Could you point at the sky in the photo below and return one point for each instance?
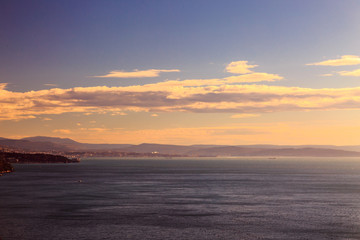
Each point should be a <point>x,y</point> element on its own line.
<point>229,72</point>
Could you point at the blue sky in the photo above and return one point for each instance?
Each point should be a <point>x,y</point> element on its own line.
<point>64,44</point>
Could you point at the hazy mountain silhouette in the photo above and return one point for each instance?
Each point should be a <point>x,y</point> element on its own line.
<point>64,141</point>
<point>73,145</point>
<point>41,143</point>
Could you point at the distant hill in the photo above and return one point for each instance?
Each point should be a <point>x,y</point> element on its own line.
<point>72,145</point>
<point>225,151</point>
<point>300,152</point>
<point>268,146</point>
<point>64,141</point>
<point>32,146</point>
<point>48,144</point>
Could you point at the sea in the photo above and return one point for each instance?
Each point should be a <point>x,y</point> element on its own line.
<point>183,198</point>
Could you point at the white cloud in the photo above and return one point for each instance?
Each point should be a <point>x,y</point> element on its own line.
<point>239,67</point>
<point>136,73</point>
<point>344,60</point>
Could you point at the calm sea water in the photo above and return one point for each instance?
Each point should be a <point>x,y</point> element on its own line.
<point>183,199</point>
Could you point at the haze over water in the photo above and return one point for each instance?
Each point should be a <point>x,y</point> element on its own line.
<point>183,199</point>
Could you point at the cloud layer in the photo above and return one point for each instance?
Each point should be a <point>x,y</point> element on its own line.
<point>231,94</point>
<point>136,73</point>
<point>185,96</point>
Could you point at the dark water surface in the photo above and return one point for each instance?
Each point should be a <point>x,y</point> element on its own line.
<point>183,199</point>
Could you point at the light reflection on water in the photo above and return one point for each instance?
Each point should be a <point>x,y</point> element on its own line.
<point>183,199</point>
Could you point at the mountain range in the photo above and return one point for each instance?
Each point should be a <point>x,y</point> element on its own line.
<point>53,144</point>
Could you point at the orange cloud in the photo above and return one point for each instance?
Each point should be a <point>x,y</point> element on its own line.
<point>355,73</point>
<point>244,115</point>
<point>3,86</point>
<point>62,131</point>
<point>240,67</point>
<point>345,60</point>
<point>253,77</point>
<point>173,97</point>
<point>136,73</point>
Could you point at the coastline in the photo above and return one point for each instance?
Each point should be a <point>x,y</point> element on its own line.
<point>7,158</point>
<point>5,167</point>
